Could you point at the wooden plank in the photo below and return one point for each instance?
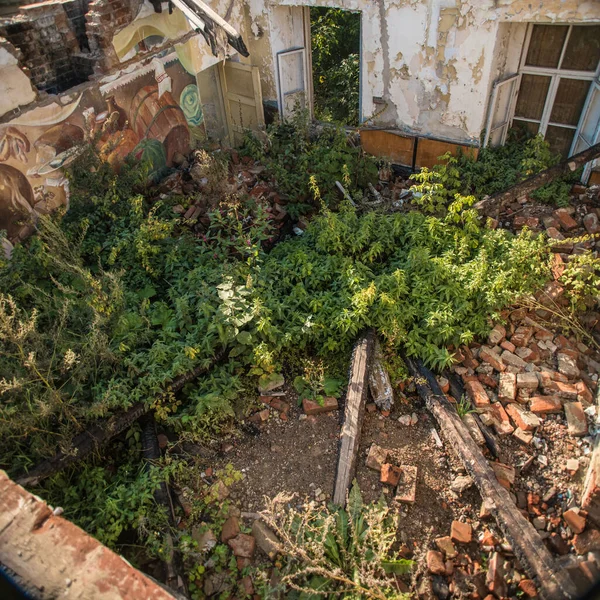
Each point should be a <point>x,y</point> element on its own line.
<point>388,144</point>
<point>429,151</point>
<point>526,542</point>
<point>353,416</point>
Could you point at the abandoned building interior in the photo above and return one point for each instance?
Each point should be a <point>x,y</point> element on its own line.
<point>421,79</point>
<point>433,76</point>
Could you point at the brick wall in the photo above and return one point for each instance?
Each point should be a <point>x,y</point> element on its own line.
<point>48,42</point>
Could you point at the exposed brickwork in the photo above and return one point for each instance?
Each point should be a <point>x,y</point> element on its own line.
<point>49,45</point>
<point>57,558</point>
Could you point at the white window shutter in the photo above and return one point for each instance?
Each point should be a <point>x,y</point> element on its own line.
<point>501,109</point>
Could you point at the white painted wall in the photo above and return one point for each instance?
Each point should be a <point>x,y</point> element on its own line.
<point>433,61</point>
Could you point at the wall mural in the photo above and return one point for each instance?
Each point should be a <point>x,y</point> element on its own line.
<point>152,112</point>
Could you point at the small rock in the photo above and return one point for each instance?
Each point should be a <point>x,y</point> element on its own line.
<point>574,520</point>
<point>446,546</point>
<point>572,465</point>
<point>377,456</point>
<point>527,586</point>
<point>265,538</point>
<point>405,420</point>
<point>461,483</point>
<point>231,528</point>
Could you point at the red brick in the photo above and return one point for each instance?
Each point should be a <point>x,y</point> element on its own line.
<point>521,336</point>
<point>314,408</point>
<point>567,222</point>
<point>487,380</point>
<point>583,393</point>
<point>574,520</point>
<point>557,266</point>
<point>446,546</point>
<point>591,223</point>
<point>531,222</point>
<point>231,528</point>
<point>528,381</point>
<point>260,417</point>
<point>461,533</point>
<point>565,390</point>
<point>407,486</point>
<point>246,585</point>
<point>527,586</point>
<point>544,405</point>
<point>576,419</point>
<point>444,384</point>
<point>487,355</point>
<point>503,472</point>
<point>506,345</point>
<point>502,423</point>
<point>524,419</point>
<point>477,394</point>
<point>390,474</point>
<point>497,335</point>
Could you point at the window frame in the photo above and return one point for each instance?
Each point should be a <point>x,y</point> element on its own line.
<point>556,74</point>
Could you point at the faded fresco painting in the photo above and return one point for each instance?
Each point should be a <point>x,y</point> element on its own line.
<point>152,112</point>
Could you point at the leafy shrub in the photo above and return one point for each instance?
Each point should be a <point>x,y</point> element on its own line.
<point>335,551</point>
<point>496,169</point>
<point>294,156</point>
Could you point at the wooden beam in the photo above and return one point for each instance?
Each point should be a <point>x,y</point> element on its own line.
<point>553,582</point>
<point>520,190</point>
<point>353,416</point>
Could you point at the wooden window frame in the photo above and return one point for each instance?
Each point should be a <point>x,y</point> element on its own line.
<point>556,73</point>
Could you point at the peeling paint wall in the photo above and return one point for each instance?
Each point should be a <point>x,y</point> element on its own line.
<point>433,62</point>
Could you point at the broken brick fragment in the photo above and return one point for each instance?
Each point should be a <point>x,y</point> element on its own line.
<point>544,405</point>
<point>574,521</point>
<point>567,222</point>
<point>576,419</point>
<point>242,545</point>
<point>435,562</point>
<point>477,394</point>
<point>461,533</point>
<point>377,457</point>
<point>314,408</point>
<point>390,474</point>
<point>489,356</point>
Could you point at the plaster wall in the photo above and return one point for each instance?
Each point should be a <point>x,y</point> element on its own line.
<point>433,62</point>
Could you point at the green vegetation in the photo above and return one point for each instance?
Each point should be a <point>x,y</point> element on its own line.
<point>496,169</point>
<point>335,40</point>
<point>332,551</point>
<point>112,301</point>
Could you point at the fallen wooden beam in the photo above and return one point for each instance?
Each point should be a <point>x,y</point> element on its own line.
<point>458,391</point>
<point>353,416</point>
<point>554,583</point>
<point>590,499</point>
<point>520,190</point>
<point>96,436</point>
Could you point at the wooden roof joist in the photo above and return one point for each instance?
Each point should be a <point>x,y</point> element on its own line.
<point>204,19</point>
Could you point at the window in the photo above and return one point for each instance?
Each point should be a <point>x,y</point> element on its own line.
<point>558,70</point>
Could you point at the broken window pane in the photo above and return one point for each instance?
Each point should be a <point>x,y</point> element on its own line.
<point>532,96</point>
<point>525,129</point>
<point>560,139</point>
<point>583,49</point>
<point>546,45</point>
<point>569,101</point>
